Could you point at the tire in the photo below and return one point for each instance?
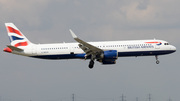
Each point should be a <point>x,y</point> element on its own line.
<point>157,62</point>
<point>91,64</point>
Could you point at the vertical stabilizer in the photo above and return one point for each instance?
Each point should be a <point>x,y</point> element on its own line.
<point>16,37</point>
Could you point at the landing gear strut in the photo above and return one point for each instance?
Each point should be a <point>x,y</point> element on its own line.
<point>91,64</point>
<point>157,61</point>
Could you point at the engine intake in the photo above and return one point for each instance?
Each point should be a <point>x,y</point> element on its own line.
<point>110,54</point>
<point>109,57</point>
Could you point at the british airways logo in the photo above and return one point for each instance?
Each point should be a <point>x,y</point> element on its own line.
<point>12,30</point>
<point>159,44</point>
<point>140,47</point>
<point>21,44</point>
<point>155,42</point>
<point>16,38</point>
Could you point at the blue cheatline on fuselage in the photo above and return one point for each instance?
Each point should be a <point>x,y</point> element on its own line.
<point>120,54</point>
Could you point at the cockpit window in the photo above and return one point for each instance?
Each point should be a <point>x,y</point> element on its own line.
<point>166,43</point>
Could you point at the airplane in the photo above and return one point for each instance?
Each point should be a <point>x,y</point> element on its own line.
<point>105,52</point>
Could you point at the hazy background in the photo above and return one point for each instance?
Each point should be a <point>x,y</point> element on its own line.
<point>49,21</point>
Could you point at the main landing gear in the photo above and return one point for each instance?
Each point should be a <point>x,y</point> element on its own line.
<point>157,61</point>
<point>91,64</point>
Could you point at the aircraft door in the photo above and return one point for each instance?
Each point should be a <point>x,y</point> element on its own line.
<point>34,50</point>
<point>71,48</point>
<point>157,46</point>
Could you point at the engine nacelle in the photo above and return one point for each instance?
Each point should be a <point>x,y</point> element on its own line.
<point>110,54</point>
<point>109,57</point>
<point>108,61</point>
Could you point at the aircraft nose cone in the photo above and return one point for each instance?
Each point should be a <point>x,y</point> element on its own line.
<point>173,48</point>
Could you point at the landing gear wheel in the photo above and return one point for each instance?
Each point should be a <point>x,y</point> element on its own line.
<point>91,64</point>
<point>157,62</point>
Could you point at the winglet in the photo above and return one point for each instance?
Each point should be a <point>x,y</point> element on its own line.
<point>72,33</point>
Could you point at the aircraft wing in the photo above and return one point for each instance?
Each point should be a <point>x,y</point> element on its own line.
<point>86,47</point>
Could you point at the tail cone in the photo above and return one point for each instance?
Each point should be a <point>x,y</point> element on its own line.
<point>7,50</point>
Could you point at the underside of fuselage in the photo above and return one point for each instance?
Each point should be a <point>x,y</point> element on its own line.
<point>120,54</point>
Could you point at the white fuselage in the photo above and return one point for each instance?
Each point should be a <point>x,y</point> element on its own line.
<point>124,48</point>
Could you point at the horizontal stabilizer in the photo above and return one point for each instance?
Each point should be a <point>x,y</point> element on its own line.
<point>14,48</point>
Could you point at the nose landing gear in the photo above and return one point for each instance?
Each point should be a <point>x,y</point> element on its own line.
<point>157,61</point>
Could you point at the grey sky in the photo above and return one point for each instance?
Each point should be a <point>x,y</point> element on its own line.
<point>49,21</point>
